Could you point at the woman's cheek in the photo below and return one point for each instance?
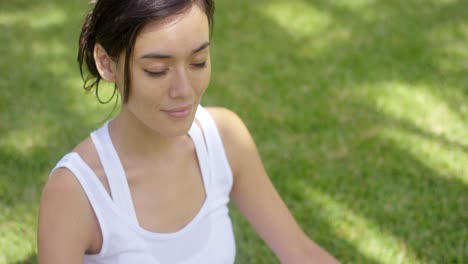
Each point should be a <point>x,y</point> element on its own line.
<point>149,86</point>
<point>204,80</point>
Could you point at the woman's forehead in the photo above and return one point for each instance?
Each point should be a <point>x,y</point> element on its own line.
<point>177,34</point>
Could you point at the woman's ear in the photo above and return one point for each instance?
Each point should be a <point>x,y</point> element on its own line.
<point>105,65</point>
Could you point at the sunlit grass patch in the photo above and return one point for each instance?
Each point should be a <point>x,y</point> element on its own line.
<point>37,17</point>
<point>17,232</point>
<point>370,239</point>
<point>419,106</point>
<point>297,17</point>
<point>446,158</point>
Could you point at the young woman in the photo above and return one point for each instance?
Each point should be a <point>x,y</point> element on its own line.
<point>152,185</point>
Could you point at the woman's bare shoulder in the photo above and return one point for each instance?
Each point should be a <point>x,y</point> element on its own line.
<point>227,121</point>
<point>65,217</point>
<point>62,188</point>
<point>229,124</point>
<point>234,134</point>
<point>63,193</point>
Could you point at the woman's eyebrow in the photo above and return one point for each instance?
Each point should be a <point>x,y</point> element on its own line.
<point>202,47</point>
<point>154,55</point>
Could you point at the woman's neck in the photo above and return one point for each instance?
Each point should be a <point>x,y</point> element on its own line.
<point>132,138</point>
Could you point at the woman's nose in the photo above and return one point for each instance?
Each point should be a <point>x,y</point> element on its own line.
<point>181,86</point>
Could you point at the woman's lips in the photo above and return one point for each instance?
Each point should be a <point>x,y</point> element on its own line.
<point>179,112</point>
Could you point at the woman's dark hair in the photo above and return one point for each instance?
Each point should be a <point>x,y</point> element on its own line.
<point>115,25</point>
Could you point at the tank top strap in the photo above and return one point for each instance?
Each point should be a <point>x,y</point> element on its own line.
<point>215,145</point>
<point>198,139</point>
<point>209,128</point>
<point>114,172</point>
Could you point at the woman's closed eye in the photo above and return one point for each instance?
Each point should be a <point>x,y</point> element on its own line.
<point>199,65</point>
<point>156,73</point>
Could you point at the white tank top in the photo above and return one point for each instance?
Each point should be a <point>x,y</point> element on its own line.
<point>207,238</point>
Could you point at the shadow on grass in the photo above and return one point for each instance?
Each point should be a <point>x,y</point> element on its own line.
<point>406,41</point>
<point>40,119</point>
<point>378,179</point>
<point>38,116</point>
<point>315,121</point>
<point>306,107</point>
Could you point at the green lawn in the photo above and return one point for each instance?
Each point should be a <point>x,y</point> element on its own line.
<point>359,109</point>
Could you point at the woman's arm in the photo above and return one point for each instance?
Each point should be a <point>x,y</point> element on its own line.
<point>65,220</point>
<point>257,199</point>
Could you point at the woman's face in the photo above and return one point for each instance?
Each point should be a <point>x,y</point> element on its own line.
<point>170,70</point>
